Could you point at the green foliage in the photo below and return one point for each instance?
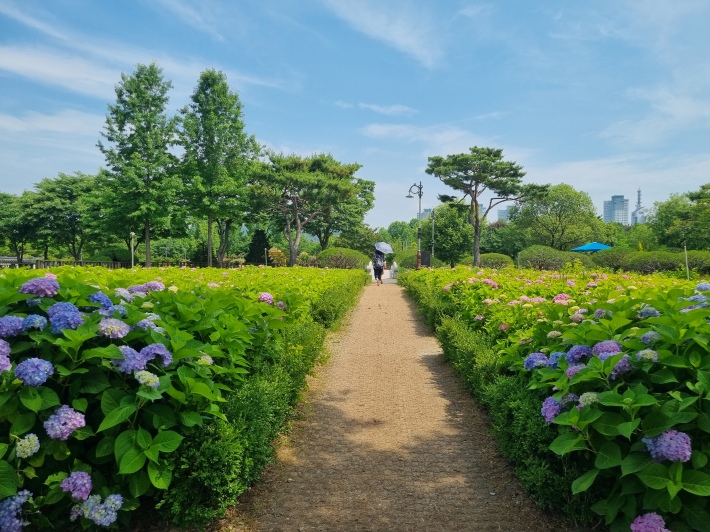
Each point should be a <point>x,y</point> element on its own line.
<point>612,258</point>
<point>337,299</point>
<point>259,243</point>
<point>112,253</point>
<point>342,258</point>
<point>652,261</point>
<point>453,235</point>
<point>699,261</point>
<point>497,261</point>
<point>547,258</point>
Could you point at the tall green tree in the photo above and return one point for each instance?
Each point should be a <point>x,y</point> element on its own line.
<point>142,179</point>
<point>59,211</point>
<point>17,229</point>
<point>503,237</point>
<point>479,171</point>
<point>562,219</point>
<point>217,158</point>
<point>403,236</point>
<point>298,190</point>
<point>453,236</point>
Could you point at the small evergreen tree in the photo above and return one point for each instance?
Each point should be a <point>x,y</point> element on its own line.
<point>259,242</point>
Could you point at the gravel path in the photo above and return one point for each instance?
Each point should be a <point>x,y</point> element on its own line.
<point>388,440</point>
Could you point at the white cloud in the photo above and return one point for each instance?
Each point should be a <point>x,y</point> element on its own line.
<point>200,15</point>
<point>343,105</point>
<point>66,121</point>
<point>435,140</point>
<point>396,109</point>
<point>398,25</point>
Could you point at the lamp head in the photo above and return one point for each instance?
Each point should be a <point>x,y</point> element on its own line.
<point>409,196</point>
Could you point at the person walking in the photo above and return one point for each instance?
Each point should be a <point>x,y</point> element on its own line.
<point>378,264</point>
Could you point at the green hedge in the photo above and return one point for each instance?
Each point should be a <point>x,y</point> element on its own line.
<point>547,258</point>
<point>345,258</point>
<point>497,261</point>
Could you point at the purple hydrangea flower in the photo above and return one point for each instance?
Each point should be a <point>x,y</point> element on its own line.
<point>647,355</point>
<point>282,306</point>
<point>601,313</point>
<point>147,378</point>
<point>577,317</point>
<point>266,297</point>
<point>10,326</point>
<point>553,361</point>
<point>149,352</point>
<point>65,320</point>
<point>703,287</point>
<point>551,408</point>
<point>34,321</point>
<point>27,446</point>
<point>154,286</point>
<point>578,352</point>
<point>5,364</point>
<point>63,422</point>
<point>41,286</point>
<point>137,288</point>
<point>60,308</point>
<point>650,337</point>
<point>131,361</point>
<point>535,360</point>
<point>110,311</point>
<point>113,328</point>
<point>144,324</point>
<point>650,522</point>
<point>102,299</point>
<point>101,513</point>
<point>572,370</point>
<point>9,510</point>
<point>34,371</point>
<point>570,398</point>
<point>607,347</point>
<point>648,312</point>
<point>4,348</point>
<point>622,366</point>
<point>124,294</point>
<point>671,445</point>
<point>78,484</point>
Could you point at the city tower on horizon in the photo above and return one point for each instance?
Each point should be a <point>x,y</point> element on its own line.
<point>617,210</point>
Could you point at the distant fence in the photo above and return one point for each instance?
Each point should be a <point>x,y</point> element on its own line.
<point>33,263</point>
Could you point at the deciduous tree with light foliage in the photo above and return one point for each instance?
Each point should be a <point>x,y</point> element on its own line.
<point>479,171</point>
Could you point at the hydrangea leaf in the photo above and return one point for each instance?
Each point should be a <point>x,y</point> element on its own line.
<point>696,482</point>
<point>9,481</point>
<point>609,456</point>
<point>131,462</point>
<point>584,482</point>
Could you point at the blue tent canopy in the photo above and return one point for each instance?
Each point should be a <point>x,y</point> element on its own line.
<point>592,247</point>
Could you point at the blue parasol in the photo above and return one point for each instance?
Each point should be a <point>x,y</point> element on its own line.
<point>383,247</point>
<point>592,247</point>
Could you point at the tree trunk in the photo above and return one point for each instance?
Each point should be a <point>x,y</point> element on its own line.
<point>147,245</point>
<point>209,240</point>
<point>224,229</point>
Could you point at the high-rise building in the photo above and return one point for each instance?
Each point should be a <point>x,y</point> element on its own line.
<point>638,216</point>
<point>503,214</point>
<point>617,210</point>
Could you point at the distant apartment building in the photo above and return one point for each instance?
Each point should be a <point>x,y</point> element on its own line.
<point>617,210</point>
<point>638,216</point>
<point>503,214</point>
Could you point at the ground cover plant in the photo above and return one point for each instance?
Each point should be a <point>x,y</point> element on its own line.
<point>617,371</point>
<point>112,381</point>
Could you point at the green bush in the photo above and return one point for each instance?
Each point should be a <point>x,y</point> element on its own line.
<point>336,300</point>
<point>496,260</point>
<point>699,261</point>
<point>345,258</point>
<point>653,261</point>
<point>612,258</point>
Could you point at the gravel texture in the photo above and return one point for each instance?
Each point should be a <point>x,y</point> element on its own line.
<point>388,439</point>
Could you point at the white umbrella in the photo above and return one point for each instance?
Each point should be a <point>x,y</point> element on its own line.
<point>383,247</point>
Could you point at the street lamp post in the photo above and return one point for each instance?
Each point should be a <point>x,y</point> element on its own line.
<point>133,241</point>
<point>417,189</point>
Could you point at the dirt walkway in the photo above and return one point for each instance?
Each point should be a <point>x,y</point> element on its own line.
<point>388,440</point>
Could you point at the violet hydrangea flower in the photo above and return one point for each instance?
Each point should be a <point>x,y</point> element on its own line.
<point>622,366</point>
<point>113,328</point>
<point>671,445</point>
<point>602,313</point>
<point>535,360</point>
<point>144,324</point>
<point>266,297</point>
<point>572,370</point>
<point>650,522</point>
<point>5,364</point>
<point>648,312</point>
<point>34,371</point>
<point>9,510</point>
<point>577,353</point>
<point>63,422</point>
<point>41,286</point>
<point>154,286</point>
<point>607,347</point>
<point>131,361</point>
<point>650,337</point>
<point>78,484</point>
<point>60,308</point>
<point>34,321</point>
<point>551,408</point>
<point>149,352</point>
<point>10,326</point>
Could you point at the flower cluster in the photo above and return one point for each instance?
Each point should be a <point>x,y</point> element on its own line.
<point>147,378</point>
<point>34,371</point>
<point>64,315</point>
<point>606,349</point>
<point>102,299</point>
<point>78,484</point>
<point>703,287</point>
<point>578,352</point>
<point>266,297</point>
<point>10,326</point>
<point>650,522</point>
<point>552,362</point>
<point>5,364</point>
<point>27,446</point>
<point>113,328</point>
<point>205,360</point>
<point>110,311</point>
<point>573,369</point>
<point>587,398</point>
<point>551,408</point>
<point>535,360</point>
<point>63,422</point>
<point>622,366</point>
<point>101,513</point>
<point>34,321</point>
<point>562,299</point>
<point>41,286</point>
<point>9,508</point>
<point>648,312</point>
<point>134,361</point>
<point>647,355</point>
<point>602,314</point>
<point>671,445</point>
<point>650,337</point>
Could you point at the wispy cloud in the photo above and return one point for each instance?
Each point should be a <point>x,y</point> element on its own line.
<point>396,109</point>
<point>435,140</point>
<point>65,121</point>
<point>202,16</point>
<point>343,105</point>
<point>399,25</point>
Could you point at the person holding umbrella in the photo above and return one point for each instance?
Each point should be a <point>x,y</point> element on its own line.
<point>378,259</point>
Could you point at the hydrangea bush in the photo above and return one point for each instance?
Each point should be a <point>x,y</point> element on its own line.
<point>626,363</point>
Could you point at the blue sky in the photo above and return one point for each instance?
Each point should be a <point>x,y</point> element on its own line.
<point>608,96</point>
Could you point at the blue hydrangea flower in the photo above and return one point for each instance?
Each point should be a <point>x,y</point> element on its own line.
<point>144,324</point>
<point>113,309</point>
<point>607,347</point>
<point>101,513</point>
<point>149,352</point>
<point>101,298</point>
<point>577,353</point>
<point>78,484</point>
<point>132,360</point>
<point>602,313</point>
<point>4,348</point>
<point>34,321</point>
<point>671,445</point>
<point>9,510</point>
<point>63,422</point>
<point>65,320</point>
<point>703,287</point>
<point>113,328</point>
<point>10,326</point>
<point>622,366</point>
<point>535,360</point>
<point>551,408</point>
<point>648,312</point>
<point>650,522</point>
<point>27,446</point>
<point>650,337</point>
<point>553,361</point>
<point>42,287</point>
<point>60,308</point>
<point>34,371</point>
